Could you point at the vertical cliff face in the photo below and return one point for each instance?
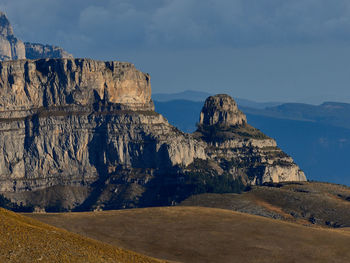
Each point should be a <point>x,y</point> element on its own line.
<point>5,26</point>
<point>51,111</point>
<point>221,110</point>
<point>240,148</point>
<point>12,48</point>
<point>78,134</point>
<point>68,82</point>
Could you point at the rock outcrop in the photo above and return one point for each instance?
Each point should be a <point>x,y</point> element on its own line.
<point>78,134</point>
<point>241,148</point>
<point>38,51</point>
<point>221,110</point>
<point>33,84</point>
<point>12,48</point>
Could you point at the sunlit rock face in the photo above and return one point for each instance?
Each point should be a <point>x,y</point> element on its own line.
<point>240,148</point>
<point>79,134</point>
<point>10,47</point>
<point>32,84</point>
<point>222,110</point>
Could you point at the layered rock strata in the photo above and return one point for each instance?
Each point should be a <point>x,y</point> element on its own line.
<point>33,84</point>
<point>241,148</point>
<point>10,46</point>
<point>78,134</point>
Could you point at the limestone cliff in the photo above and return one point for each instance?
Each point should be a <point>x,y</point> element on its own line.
<point>241,148</point>
<point>78,134</point>
<point>12,48</point>
<point>33,84</point>
<point>221,110</point>
<point>37,51</point>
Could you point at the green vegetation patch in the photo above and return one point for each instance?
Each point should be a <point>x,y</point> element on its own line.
<point>222,133</point>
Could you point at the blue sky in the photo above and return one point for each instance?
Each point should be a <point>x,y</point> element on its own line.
<point>264,50</point>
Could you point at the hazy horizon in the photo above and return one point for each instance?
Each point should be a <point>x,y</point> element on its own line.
<point>259,50</point>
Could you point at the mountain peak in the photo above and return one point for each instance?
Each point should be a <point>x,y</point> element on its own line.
<point>221,110</point>
<point>12,48</point>
<point>5,26</point>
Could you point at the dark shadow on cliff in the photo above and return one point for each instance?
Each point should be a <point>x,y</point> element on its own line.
<point>171,187</point>
<point>97,152</point>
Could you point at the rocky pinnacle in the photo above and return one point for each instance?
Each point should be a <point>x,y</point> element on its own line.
<point>221,110</point>
<point>12,48</point>
<point>80,134</point>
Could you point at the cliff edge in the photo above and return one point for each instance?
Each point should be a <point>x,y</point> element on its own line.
<point>79,134</point>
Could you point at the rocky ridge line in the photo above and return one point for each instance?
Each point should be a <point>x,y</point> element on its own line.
<point>12,48</point>
<point>78,134</point>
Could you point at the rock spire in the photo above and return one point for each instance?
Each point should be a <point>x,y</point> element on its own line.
<point>12,48</point>
<point>221,110</point>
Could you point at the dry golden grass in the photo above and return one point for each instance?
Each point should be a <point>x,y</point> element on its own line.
<point>307,203</point>
<point>23,239</point>
<point>198,234</point>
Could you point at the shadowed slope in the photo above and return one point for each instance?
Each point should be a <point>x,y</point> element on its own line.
<point>23,239</point>
<point>304,202</point>
<point>194,234</point>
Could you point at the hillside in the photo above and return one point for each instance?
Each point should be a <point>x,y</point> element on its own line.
<point>23,239</point>
<point>197,234</point>
<point>308,203</point>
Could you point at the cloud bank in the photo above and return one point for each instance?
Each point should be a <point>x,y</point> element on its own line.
<point>258,49</point>
<point>179,24</point>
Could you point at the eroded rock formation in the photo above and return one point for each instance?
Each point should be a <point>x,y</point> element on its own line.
<point>241,148</point>
<point>221,110</point>
<point>12,48</point>
<point>32,84</point>
<point>78,134</point>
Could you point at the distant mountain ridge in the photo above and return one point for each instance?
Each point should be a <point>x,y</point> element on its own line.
<point>38,51</point>
<point>331,113</point>
<point>12,48</point>
<point>319,143</point>
<point>193,95</point>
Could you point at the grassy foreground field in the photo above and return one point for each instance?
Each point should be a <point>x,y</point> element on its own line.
<point>198,234</point>
<point>23,239</point>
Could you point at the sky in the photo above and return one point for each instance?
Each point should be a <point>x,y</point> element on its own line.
<point>263,50</point>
